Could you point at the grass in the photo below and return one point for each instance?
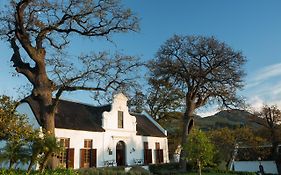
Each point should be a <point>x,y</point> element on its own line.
<point>112,171</point>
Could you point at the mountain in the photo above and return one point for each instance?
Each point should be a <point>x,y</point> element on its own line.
<point>227,118</point>
<point>230,119</point>
<point>172,122</point>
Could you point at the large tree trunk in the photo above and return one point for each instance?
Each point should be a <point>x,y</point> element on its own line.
<point>275,152</point>
<point>188,123</point>
<point>42,93</point>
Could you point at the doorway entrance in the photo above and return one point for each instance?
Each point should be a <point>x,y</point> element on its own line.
<point>120,153</point>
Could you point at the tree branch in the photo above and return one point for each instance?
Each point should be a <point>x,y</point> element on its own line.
<point>21,67</point>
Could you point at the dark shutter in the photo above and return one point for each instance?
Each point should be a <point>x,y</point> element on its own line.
<point>82,157</point>
<point>159,156</point>
<point>70,158</point>
<point>93,158</point>
<point>147,156</point>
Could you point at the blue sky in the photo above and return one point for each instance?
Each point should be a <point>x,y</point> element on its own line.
<point>250,26</point>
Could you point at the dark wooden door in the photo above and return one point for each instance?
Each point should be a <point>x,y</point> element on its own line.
<point>120,153</point>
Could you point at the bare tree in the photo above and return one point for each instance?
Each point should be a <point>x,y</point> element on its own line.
<point>39,31</point>
<point>157,99</point>
<point>162,97</point>
<point>205,70</point>
<point>272,117</point>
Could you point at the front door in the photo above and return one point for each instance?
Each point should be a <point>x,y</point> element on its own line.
<point>120,153</point>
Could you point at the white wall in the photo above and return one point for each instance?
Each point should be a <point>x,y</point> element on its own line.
<point>104,140</point>
<point>253,166</point>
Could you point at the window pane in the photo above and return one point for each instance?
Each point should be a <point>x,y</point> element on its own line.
<point>145,145</point>
<point>157,145</point>
<point>88,143</point>
<point>120,119</point>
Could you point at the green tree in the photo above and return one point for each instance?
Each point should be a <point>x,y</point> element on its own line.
<point>15,131</point>
<point>204,69</point>
<point>272,117</point>
<point>227,140</point>
<point>51,147</point>
<point>200,150</point>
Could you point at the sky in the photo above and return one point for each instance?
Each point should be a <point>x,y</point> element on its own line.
<point>250,26</point>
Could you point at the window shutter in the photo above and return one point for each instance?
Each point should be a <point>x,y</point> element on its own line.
<point>149,156</point>
<point>93,158</point>
<point>82,157</point>
<point>70,158</point>
<point>145,157</point>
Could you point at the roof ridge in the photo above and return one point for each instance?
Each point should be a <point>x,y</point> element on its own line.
<point>83,103</point>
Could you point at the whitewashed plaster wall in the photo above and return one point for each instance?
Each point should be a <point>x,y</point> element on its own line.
<point>253,166</point>
<point>102,141</point>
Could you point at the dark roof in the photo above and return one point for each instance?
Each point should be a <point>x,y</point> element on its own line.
<point>77,116</point>
<point>146,128</point>
<point>72,115</point>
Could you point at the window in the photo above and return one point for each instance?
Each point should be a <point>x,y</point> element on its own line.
<point>158,153</point>
<point>120,119</point>
<point>145,145</point>
<point>147,154</point>
<point>87,155</point>
<point>64,142</point>
<point>157,145</point>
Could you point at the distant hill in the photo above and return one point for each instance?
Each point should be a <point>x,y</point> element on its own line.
<point>228,118</point>
<point>172,122</point>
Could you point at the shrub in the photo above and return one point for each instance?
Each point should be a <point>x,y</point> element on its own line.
<point>167,168</point>
<point>137,170</point>
<point>208,170</point>
<point>102,171</point>
<point>47,172</point>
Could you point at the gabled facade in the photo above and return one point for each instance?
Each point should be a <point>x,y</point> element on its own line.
<point>104,136</point>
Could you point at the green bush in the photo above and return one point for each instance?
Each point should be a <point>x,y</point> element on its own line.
<point>218,171</point>
<point>47,172</point>
<point>137,170</point>
<point>102,171</point>
<point>167,168</point>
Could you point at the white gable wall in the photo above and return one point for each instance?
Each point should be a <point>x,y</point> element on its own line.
<point>110,119</point>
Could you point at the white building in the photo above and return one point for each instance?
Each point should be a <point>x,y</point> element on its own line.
<point>104,136</point>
